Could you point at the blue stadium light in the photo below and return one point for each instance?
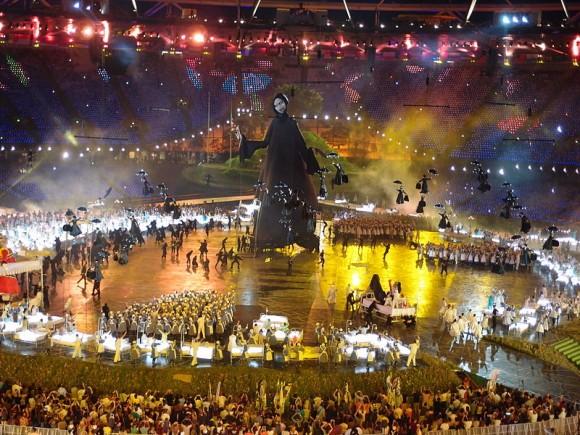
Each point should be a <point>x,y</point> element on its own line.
<point>505,19</point>
<point>515,19</point>
<point>525,19</point>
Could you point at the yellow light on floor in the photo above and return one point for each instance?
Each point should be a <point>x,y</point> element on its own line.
<point>355,279</point>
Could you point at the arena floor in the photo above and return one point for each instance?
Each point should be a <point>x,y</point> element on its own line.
<point>263,282</point>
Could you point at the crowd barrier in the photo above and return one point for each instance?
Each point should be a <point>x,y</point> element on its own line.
<point>8,429</point>
<point>560,426</point>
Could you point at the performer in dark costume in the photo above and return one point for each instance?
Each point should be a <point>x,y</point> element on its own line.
<point>288,162</point>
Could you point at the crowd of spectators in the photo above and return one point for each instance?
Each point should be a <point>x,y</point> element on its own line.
<point>271,410</point>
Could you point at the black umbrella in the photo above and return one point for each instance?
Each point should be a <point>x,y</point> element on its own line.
<point>82,209</point>
<point>516,237</point>
<point>398,182</point>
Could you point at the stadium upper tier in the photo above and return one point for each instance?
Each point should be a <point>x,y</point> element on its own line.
<point>479,109</point>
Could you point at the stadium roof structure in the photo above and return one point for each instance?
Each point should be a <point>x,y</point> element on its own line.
<point>148,8</point>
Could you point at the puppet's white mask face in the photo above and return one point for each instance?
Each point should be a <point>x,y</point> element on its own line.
<point>279,105</point>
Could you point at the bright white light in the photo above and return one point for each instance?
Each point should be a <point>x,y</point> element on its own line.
<point>559,129</point>
<point>530,167</point>
<point>505,19</point>
<point>501,172</point>
<point>525,19</point>
<point>464,169</point>
<point>77,5</point>
<point>453,168</point>
<point>198,38</point>
<point>553,169</point>
<point>106,32</point>
<point>88,31</point>
<point>517,166</point>
<point>515,19</point>
<point>65,155</point>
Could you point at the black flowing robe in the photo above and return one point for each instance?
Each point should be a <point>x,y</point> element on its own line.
<point>287,161</point>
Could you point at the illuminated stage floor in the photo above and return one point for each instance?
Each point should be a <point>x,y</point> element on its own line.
<point>263,282</point>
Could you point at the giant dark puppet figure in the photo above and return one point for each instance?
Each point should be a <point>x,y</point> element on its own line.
<point>288,198</point>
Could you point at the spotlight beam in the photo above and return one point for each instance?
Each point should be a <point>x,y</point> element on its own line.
<point>378,14</point>
<point>256,8</point>
<point>348,12</point>
<point>472,8</point>
<point>565,9</point>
